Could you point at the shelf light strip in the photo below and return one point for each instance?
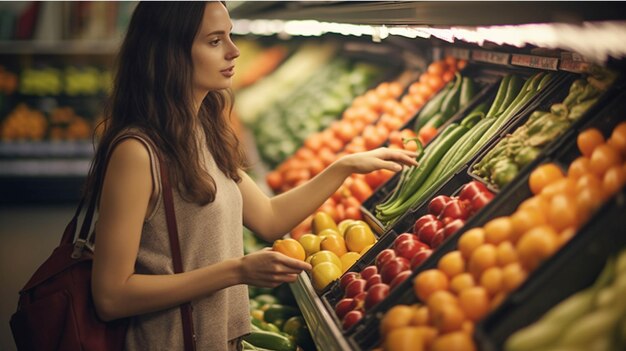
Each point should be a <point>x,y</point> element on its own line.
<point>594,40</point>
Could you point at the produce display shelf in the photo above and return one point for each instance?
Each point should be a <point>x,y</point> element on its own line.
<point>326,334</point>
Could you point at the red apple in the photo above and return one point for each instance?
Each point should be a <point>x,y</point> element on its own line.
<point>420,257</point>
<point>368,272</point>
<point>393,268</point>
<point>437,239</point>
<point>423,220</point>
<point>428,231</point>
<point>376,294</point>
<point>351,318</point>
<point>384,256</point>
<point>452,227</point>
<point>456,209</point>
<point>409,248</point>
<point>437,204</point>
<point>399,279</point>
<point>360,300</point>
<point>355,287</point>
<point>402,238</point>
<point>481,200</point>
<point>347,278</point>
<point>344,306</point>
<point>373,280</point>
<point>472,188</point>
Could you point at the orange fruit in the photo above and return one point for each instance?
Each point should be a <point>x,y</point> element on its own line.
<point>439,299</point>
<point>536,245</point>
<point>421,316</point>
<point>505,253</point>
<point>498,230</point>
<point>603,158</point>
<point>457,341</point>
<point>524,219</point>
<point>462,282</point>
<point>474,302</point>
<point>335,244</point>
<point>452,264</point>
<point>562,213</point>
<point>578,167</point>
<point>409,338</point>
<point>588,200</point>
<point>513,275</point>
<point>535,202</point>
<point>588,140</point>
<point>485,256</point>
<point>470,240</point>
<point>544,175</point>
<point>397,317</point>
<point>561,186</point>
<point>290,247</point>
<point>429,281</point>
<point>618,138</point>
<point>492,280</point>
<point>614,179</point>
<point>448,318</point>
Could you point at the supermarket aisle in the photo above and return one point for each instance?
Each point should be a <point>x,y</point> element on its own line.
<point>27,237</point>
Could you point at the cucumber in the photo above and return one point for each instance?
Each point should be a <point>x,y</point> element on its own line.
<point>269,340</point>
<point>277,312</point>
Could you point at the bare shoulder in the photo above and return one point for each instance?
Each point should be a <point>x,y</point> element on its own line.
<point>130,155</point>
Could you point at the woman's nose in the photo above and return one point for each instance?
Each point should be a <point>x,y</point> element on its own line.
<point>233,53</point>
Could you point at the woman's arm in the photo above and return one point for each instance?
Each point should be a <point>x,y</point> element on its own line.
<point>273,217</point>
<point>118,291</point>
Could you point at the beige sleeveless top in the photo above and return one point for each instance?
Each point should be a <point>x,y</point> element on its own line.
<point>208,235</point>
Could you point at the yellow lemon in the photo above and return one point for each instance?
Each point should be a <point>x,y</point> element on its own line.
<point>321,221</point>
<point>348,259</point>
<point>358,237</point>
<point>324,273</point>
<point>328,232</point>
<point>334,243</point>
<point>365,249</point>
<point>343,225</point>
<point>310,243</point>
<point>325,256</point>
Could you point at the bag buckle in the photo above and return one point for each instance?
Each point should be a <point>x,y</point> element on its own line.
<point>79,246</point>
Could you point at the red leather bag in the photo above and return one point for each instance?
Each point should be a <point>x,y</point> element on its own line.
<point>55,308</point>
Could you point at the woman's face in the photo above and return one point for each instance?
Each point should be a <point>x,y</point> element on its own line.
<point>213,52</point>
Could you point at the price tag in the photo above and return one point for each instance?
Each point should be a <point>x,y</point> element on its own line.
<point>461,54</point>
<point>491,57</point>
<point>573,62</point>
<point>533,61</point>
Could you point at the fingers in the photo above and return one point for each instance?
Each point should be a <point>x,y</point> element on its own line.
<point>402,156</point>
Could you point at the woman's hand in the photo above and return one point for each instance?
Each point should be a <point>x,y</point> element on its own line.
<point>381,158</point>
<point>267,268</point>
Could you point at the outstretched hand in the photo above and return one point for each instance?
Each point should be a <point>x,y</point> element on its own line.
<point>381,158</point>
<point>268,268</point>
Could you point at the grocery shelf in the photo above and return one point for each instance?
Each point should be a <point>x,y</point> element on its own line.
<point>64,47</point>
<point>325,332</point>
<point>457,13</point>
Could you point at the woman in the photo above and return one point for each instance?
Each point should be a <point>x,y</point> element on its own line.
<point>174,69</point>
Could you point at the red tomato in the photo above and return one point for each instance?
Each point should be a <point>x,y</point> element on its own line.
<point>419,223</point>
<point>480,200</point>
<point>456,209</point>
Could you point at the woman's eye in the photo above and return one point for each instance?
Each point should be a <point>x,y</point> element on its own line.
<point>215,42</point>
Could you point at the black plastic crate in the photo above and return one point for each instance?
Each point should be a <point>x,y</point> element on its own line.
<point>556,94</point>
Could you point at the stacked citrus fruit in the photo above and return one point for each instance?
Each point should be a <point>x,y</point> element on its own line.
<point>493,260</point>
<point>333,248</point>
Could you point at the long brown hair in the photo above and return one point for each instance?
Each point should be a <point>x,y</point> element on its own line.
<point>152,91</point>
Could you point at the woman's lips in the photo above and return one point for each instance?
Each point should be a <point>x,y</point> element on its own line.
<point>229,72</point>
